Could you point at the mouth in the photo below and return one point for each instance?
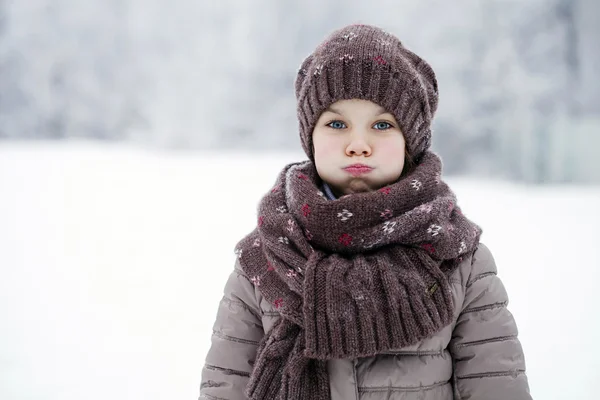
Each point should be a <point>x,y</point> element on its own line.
<point>358,169</point>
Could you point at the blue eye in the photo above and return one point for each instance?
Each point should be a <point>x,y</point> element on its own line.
<point>382,126</point>
<point>336,125</point>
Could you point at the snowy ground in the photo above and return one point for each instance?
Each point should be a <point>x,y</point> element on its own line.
<point>113,260</point>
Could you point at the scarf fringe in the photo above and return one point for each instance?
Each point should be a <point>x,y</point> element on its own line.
<point>284,372</point>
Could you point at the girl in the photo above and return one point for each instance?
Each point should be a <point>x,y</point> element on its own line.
<point>363,279</point>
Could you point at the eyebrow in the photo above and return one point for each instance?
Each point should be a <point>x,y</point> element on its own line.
<point>334,110</point>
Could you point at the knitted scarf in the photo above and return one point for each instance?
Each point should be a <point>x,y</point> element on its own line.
<point>352,277</point>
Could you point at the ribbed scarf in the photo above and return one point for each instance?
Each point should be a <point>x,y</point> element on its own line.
<point>352,277</point>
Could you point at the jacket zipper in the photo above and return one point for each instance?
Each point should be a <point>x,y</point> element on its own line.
<point>354,364</point>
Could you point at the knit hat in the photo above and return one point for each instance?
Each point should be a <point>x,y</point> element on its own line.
<point>365,62</point>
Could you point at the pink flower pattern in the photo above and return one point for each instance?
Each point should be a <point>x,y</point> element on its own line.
<point>386,214</point>
<point>278,303</point>
<point>380,60</point>
<point>306,210</point>
<point>308,235</point>
<point>429,247</point>
<point>345,239</point>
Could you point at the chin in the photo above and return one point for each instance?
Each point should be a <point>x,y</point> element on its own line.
<point>358,186</point>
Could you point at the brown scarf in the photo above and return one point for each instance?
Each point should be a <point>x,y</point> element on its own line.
<point>352,277</point>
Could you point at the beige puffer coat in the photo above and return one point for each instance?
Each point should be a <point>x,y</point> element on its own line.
<point>477,357</point>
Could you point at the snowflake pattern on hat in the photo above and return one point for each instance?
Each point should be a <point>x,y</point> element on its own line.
<point>346,58</point>
<point>291,273</point>
<point>384,42</point>
<point>350,50</point>
<point>350,36</point>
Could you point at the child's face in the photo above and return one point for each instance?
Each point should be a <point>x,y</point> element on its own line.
<point>358,132</point>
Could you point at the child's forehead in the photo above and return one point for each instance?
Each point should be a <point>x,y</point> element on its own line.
<point>356,105</point>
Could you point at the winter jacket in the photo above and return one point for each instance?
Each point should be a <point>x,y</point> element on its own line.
<point>477,357</point>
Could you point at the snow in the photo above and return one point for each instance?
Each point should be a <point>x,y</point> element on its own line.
<point>113,261</point>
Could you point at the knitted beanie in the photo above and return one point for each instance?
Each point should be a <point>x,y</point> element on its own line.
<point>365,62</point>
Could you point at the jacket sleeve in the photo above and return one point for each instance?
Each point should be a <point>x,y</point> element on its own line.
<point>488,358</point>
<point>236,335</point>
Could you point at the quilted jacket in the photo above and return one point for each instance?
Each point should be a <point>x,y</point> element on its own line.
<point>477,357</point>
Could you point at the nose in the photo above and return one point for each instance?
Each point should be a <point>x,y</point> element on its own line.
<point>358,146</point>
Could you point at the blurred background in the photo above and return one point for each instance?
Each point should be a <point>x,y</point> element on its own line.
<point>518,85</point>
<point>137,137</point>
